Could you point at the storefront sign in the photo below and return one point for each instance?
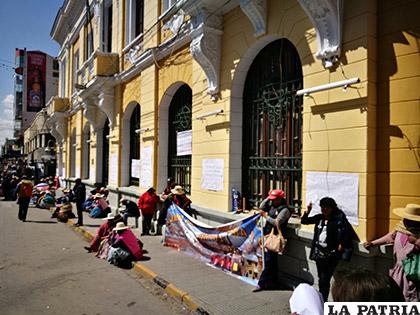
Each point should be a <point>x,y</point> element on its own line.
<point>212,174</point>
<point>184,143</point>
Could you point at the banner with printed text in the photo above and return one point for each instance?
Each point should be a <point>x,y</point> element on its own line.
<point>234,247</point>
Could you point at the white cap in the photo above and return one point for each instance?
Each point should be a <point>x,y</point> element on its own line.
<point>306,300</point>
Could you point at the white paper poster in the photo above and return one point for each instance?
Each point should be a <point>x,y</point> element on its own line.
<point>113,169</point>
<point>212,174</point>
<point>184,143</point>
<point>146,167</point>
<point>91,171</point>
<point>343,187</point>
<point>135,168</point>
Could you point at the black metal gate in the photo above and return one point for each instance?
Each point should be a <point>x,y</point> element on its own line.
<point>134,141</point>
<point>272,125</point>
<point>179,167</point>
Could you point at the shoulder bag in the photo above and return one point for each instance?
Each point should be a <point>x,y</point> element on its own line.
<point>275,243</point>
<point>411,266</point>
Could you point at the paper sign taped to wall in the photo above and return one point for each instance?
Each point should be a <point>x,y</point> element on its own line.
<point>146,167</point>
<point>343,187</point>
<point>135,168</point>
<point>212,174</point>
<point>184,143</point>
<point>113,168</point>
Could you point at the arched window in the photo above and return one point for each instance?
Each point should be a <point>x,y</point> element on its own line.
<point>135,146</point>
<point>105,153</point>
<point>179,164</point>
<point>272,125</point>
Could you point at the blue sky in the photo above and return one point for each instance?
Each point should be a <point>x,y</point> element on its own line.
<point>23,23</point>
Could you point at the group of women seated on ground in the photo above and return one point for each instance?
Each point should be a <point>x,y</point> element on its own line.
<point>115,242</point>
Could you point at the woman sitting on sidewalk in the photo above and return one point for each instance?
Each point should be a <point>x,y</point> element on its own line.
<point>125,247</point>
<point>100,207</point>
<point>103,232</point>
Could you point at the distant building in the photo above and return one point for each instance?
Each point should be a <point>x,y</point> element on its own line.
<point>39,146</point>
<point>35,83</point>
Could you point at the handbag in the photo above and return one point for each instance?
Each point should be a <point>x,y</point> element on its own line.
<point>275,243</point>
<point>411,266</point>
<point>320,253</point>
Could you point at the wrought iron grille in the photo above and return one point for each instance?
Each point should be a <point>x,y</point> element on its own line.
<point>272,126</point>
<point>134,141</point>
<point>180,119</point>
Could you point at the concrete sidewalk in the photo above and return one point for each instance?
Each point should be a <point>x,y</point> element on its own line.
<point>199,286</point>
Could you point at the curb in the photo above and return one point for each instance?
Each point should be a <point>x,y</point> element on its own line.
<point>144,271</point>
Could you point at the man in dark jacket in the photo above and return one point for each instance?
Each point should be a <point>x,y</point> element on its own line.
<point>131,210</point>
<point>79,191</point>
<point>332,240</point>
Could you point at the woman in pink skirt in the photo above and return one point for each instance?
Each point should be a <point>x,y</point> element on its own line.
<point>406,240</point>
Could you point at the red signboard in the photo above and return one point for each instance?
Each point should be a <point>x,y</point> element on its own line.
<point>36,81</point>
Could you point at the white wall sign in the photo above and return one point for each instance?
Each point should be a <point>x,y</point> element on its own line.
<point>184,143</point>
<point>113,169</point>
<point>146,168</point>
<point>135,168</point>
<point>343,187</point>
<point>212,174</point>
<point>92,171</point>
<point>77,174</point>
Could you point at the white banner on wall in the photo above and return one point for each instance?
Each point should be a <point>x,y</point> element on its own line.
<point>184,143</point>
<point>135,168</point>
<point>78,175</point>
<point>212,174</point>
<point>113,169</point>
<point>146,170</point>
<point>343,187</point>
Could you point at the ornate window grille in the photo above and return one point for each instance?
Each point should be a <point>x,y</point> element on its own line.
<point>272,125</point>
<point>180,117</point>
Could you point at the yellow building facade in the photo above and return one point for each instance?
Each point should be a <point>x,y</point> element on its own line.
<point>207,91</point>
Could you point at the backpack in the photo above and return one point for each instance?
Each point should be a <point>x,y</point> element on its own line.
<point>25,190</point>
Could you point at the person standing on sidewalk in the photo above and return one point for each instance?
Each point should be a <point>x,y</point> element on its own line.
<point>131,210</point>
<point>332,240</point>
<point>24,194</point>
<point>147,205</point>
<point>275,210</point>
<point>79,192</point>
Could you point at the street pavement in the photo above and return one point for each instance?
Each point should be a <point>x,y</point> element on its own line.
<point>45,270</point>
<point>214,291</point>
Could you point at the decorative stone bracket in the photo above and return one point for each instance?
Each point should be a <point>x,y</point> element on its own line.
<point>206,47</point>
<point>51,127</point>
<point>256,11</point>
<point>60,123</point>
<point>326,16</point>
<point>106,104</point>
<point>92,114</point>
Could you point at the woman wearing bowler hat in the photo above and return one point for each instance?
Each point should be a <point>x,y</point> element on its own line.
<point>406,240</point>
<point>275,210</point>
